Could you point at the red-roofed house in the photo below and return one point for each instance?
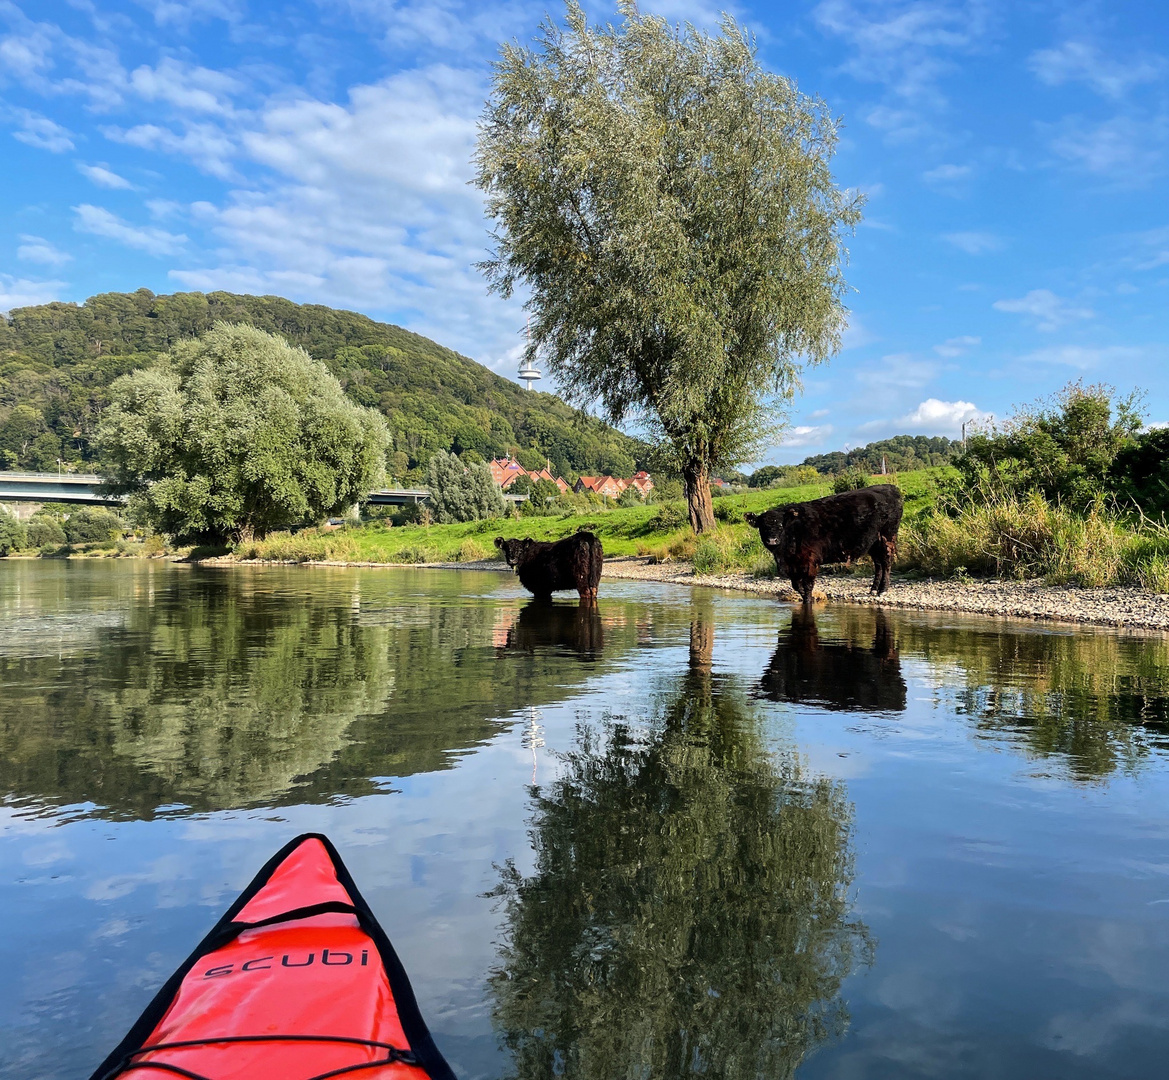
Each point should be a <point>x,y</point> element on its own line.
<point>643,483</point>
<point>506,470</point>
<point>601,485</point>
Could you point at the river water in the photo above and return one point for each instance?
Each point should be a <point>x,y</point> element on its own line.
<point>684,833</point>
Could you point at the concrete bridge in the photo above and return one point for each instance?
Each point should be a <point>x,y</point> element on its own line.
<point>85,489</point>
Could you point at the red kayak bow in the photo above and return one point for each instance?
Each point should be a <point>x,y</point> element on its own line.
<point>297,981</point>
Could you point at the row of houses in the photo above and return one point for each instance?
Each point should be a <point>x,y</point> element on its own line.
<point>506,471</point>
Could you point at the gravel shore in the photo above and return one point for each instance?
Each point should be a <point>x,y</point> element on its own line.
<point>1122,606</point>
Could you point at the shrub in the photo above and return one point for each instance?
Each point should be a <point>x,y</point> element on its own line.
<point>93,525</point>
<point>1029,538</point>
<point>12,534</point>
<point>671,516</point>
<point>1065,447</point>
<point>43,530</point>
<point>852,479</point>
<point>728,514</point>
<point>473,551</point>
<point>413,555</point>
<point>462,493</point>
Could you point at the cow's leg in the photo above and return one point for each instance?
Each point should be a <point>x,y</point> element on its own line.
<point>879,554</point>
<point>803,578</point>
<point>890,556</point>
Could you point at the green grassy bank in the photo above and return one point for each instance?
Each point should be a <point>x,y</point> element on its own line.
<point>659,531</point>
<point>1011,538</point>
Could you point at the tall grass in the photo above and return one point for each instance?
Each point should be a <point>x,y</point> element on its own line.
<point>1012,537</point>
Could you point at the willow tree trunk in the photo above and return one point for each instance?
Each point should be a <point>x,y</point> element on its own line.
<point>696,477</point>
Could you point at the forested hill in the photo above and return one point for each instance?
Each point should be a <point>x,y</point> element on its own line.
<point>58,360</point>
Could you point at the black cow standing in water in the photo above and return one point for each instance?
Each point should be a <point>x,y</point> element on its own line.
<point>838,528</point>
<point>544,568</point>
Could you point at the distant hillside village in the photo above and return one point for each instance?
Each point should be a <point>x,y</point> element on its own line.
<point>506,471</point>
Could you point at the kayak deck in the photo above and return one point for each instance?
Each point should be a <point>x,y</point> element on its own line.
<point>297,981</point>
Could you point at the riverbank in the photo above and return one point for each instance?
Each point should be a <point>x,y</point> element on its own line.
<point>1123,607</point>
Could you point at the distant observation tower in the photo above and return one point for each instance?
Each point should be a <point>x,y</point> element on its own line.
<point>528,371</point>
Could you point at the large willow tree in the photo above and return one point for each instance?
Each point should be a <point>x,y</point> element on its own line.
<point>671,208</point>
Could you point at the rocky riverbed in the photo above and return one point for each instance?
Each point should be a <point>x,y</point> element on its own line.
<point>1121,606</point>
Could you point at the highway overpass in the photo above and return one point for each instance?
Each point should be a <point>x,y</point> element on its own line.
<point>83,489</point>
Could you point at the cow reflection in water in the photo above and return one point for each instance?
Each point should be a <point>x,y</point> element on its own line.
<point>542,624</point>
<point>845,673</point>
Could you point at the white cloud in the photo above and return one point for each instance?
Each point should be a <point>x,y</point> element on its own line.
<point>957,346</point>
<point>187,87</point>
<point>26,54</point>
<point>900,370</point>
<point>184,12</point>
<point>806,435</point>
<point>206,144</point>
<point>856,334</point>
<point>1080,61</point>
<point>20,292</point>
<point>1085,358</point>
<point>100,222</point>
<point>368,207</point>
<point>43,133</point>
<point>1048,311</point>
<point>1128,148</point>
<point>942,417</point>
<point>36,249</point>
<point>974,243</point>
<point>947,174</point>
<point>905,44</point>
<point>104,177</point>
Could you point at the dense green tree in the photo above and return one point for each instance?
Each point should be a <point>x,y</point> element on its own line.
<point>1140,472</point>
<point>236,434</point>
<point>12,533</point>
<point>688,912</point>
<point>92,525</point>
<point>460,492</point>
<point>19,431</point>
<point>1063,447</point>
<point>898,454</point>
<point>43,529</point>
<point>669,203</point>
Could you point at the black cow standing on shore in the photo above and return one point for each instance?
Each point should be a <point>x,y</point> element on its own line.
<point>544,568</point>
<point>838,528</point>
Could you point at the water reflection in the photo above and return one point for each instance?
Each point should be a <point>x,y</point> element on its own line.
<point>688,912</point>
<point>208,690</point>
<point>856,669</point>
<point>544,624</point>
<point>1095,700</point>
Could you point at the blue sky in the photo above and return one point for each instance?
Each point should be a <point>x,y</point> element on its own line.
<point>1015,155</point>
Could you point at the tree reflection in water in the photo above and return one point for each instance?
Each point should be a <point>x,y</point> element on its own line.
<point>858,670</point>
<point>688,912</point>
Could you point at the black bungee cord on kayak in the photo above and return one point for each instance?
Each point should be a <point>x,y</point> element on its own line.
<point>395,1055</point>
